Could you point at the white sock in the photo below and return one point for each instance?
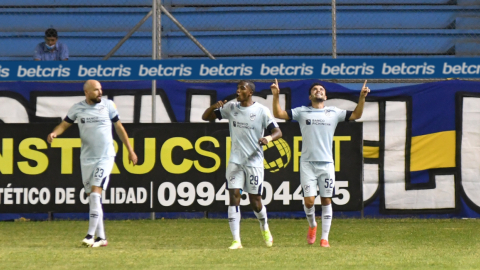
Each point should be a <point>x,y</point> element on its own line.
<point>100,231</point>
<point>95,209</point>
<point>310,212</point>
<point>327,214</point>
<point>234,221</point>
<point>262,217</point>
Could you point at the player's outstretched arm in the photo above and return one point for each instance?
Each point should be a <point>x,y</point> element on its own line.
<point>122,134</point>
<point>58,130</point>
<point>357,113</point>
<point>209,115</point>
<point>276,134</point>
<point>277,110</point>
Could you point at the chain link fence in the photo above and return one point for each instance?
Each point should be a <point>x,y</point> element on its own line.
<point>89,28</point>
<point>246,28</point>
<point>365,28</point>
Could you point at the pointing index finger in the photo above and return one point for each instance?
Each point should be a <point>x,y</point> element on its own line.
<point>276,82</point>
<point>364,84</point>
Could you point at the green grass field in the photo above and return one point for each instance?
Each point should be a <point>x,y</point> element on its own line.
<point>202,244</point>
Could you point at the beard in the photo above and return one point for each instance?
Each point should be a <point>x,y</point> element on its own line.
<point>318,99</point>
<point>96,100</point>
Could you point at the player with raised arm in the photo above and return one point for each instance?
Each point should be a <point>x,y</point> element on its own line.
<point>317,125</point>
<point>247,122</point>
<point>95,117</point>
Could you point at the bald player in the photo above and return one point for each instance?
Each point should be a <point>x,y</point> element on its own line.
<point>317,125</point>
<point>95,117</point>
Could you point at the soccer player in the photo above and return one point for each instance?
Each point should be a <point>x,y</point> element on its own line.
<point>317,125</point>
<point>247,122</point>
<point>95,117</point>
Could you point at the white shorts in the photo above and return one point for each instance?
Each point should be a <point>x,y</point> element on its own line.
<point>96,172</point>
<point>249,179</point>
<point>315,173</point>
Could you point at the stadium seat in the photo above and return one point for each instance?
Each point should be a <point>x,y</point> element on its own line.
<point>234,28</point>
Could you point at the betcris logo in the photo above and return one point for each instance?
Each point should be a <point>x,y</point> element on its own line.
<point>235,123</point>
<point>82,120</point>
<point>309,122</point>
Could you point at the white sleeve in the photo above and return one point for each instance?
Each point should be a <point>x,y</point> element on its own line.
<point>226,110</point>
<point>112,110</point>
<point>341,114</point>
<point>72,114</point>
<point>296,113</point>
<point>268,119</point>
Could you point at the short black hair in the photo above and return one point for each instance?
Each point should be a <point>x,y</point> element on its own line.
<point>315,84</point>
<point>249,83</point>
<point>51,33</point>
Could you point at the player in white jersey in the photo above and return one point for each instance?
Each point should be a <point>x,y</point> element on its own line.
<point>95,117</point>
<point>317,124</point>
<point>245,171</point>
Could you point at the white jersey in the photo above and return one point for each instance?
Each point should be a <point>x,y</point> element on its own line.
<point>317,127</point>
<point>95,125</point>
<point>247,125</point>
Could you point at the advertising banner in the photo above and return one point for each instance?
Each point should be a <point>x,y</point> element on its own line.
<point>181,168</point>
<point>420,142</point>
<point>180,69</point>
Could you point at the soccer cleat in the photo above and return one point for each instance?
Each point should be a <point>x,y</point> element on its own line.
<point>99,242</point>
<point>312,235</point>
<point>324,243</point>
<point>267,236</point>
<point>235,245</point>
<point>88,241</point>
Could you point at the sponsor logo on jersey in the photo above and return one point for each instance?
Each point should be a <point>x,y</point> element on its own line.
<point>92,120</point>
<point>316,122</point>
<point>306,188</point>
<point>322,122</point>
<point>232,180</point>
<point>252,116</point>
<point>241,125</point>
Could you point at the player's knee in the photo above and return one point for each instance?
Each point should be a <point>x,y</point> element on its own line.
<point>309,201</point>
<point>309,205</point>
<point>326,201</point>
<point>255,207</point>
<point>234,202</point>
<point>96,189</point>
<point>235,198</point>
<point>235,195</point>
<point>256,203</point>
